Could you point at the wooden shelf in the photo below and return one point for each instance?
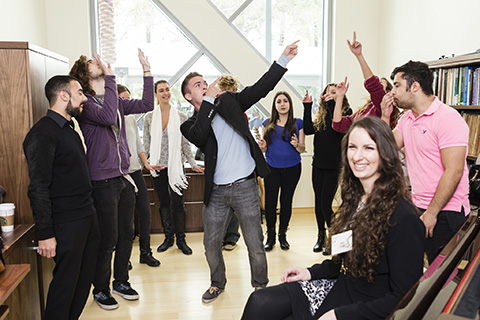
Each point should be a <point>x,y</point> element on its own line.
<point>466,108</point>
<point>4,311</point>
<point>466,59</point>
<point>11,278</point>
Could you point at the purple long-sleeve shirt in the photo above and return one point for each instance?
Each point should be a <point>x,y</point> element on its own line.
<point>376,90</point>
<point>107,149</point>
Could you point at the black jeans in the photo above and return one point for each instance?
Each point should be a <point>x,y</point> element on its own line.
<point>325,184</point>
<point>448,223</point>
<point>142,204</point>
<point>285,179</point>
<point>232,235</point>
<point>114,200</point>
<point>76,255</point>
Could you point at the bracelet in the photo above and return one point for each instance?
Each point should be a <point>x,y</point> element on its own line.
<point>146,71</point>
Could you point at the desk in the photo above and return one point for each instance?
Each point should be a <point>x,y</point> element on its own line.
<point>193,202</point>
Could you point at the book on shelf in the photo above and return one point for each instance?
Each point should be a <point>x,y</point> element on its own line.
<point>473,122</point>
<point>458,86</point>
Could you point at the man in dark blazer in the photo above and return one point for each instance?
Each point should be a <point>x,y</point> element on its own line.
<point>232,161</point>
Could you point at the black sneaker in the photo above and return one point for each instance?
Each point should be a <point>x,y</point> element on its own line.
<point>211,294</point>
<point>125,291</point>
<point>105,300</point>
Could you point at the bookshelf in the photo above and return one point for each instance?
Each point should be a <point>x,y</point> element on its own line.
<point>456,82</point>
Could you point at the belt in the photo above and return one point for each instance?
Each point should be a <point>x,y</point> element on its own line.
<point>250,176</point>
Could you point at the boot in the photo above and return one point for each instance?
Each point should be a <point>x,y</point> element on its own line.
<point>179,222</point>
<point>282,238</point>
<point>146,254</point>
<point>166,216</point>
<point>320,241</point>
<point>270,239</point>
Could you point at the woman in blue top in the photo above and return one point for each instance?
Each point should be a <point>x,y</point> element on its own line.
<point>283,141</point>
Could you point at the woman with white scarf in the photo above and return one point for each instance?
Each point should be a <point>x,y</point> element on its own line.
<point>167,148</point>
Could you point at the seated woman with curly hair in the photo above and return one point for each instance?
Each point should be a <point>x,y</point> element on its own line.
<point>385,257</point>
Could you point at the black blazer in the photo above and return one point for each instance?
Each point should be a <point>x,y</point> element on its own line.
<point>231,106</point>
<point>399,268</point>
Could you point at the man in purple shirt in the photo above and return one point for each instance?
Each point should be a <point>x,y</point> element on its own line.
<point>108,158</point>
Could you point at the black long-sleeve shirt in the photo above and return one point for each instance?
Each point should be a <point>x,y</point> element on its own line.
<point>60,189</point>
<point>326,142</point>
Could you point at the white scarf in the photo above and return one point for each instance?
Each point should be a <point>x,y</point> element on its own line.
<point>176,176</point>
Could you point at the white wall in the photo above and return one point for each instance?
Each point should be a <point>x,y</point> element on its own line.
<point>68,28</point>
<point>61,26</point>
<point>427,29</point>
<point>23,20</point>
<point>361,17</point>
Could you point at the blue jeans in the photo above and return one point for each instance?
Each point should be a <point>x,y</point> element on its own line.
<point>243,198</point>
<point>114,200</point>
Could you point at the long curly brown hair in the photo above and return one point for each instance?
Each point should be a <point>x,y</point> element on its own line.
<point>319,122</point>
<point>290,127</point>
<point>80,71</point>
<point>370,224</point>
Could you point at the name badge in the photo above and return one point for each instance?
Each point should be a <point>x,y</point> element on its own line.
<point>342,242</point>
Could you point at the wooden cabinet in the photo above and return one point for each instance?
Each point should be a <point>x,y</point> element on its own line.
<point>457,83</point>
<point>24,70</point>
<point>27,300</point>
<point>193,202</point>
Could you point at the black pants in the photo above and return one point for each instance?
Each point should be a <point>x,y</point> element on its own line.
<point>325,184</point>
<point>167,196</point>
<point>285,179</point>
<point>269,304</point>
<point>142,204</point>
<point>448,223</point>
<point>76,255</point>
<point>114,200</point>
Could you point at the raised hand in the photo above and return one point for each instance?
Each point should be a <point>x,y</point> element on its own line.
<point>144,61</point>
<point>342,88</point>
<point>291,50</point>
<point>355,46</point>
<point>214,91</point>
<point>307,98</point>
<point>105,69</point>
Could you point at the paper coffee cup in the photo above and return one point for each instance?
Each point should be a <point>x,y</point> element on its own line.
<point>7,211</point>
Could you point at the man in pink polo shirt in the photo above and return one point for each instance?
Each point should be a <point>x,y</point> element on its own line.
<point>435,138</point>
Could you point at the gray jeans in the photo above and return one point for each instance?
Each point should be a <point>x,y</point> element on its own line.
<point>241,197</point>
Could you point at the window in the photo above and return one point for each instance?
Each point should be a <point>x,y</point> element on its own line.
<point>268,25</point>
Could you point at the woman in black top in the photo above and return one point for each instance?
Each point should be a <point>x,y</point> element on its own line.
<point>384,241</point>
<point>326,155</point>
